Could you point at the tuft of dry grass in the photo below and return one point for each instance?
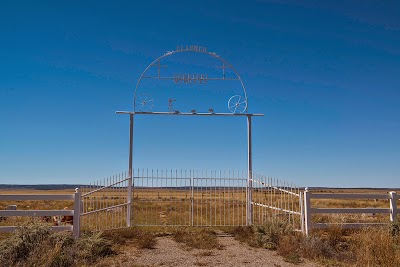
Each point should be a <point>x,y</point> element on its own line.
<point>203,239</point>
<point>140,238</point>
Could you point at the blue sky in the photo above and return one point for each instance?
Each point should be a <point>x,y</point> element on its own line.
<point>326,74</point>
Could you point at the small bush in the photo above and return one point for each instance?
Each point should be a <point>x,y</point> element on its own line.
<point>314,247</point>
<point>92,247</point>
<point>19,246</point>
<point>266,236</point>
<point>35,245</point>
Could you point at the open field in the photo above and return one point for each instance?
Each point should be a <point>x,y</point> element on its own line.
<point>159,209</point>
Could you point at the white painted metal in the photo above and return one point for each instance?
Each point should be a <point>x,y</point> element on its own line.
<point>105,203</point>
<point>308,211</point>
<point>189,198</point>
<point>157,63</point>
<point>249,213</point>
<point>274,199</point>
<point>33,213</point>
<point>393,206</point>
<point>24,197</point>
<point>275,208</point>
<point>41,213</point>
<point>9,229</point>
<point>349,196</point>
<point>349,210</point>
<point>347,225</point>
<point>130,180</point>
<point>189,114</point>
<point>77,211</point>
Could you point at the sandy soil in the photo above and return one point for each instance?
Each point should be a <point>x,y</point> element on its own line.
<point>169,253</point>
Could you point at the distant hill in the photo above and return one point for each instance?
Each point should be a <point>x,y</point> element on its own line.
<point>38,186</point>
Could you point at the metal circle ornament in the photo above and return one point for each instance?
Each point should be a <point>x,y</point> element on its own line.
<point>237,104</point>
<point>143,102</point>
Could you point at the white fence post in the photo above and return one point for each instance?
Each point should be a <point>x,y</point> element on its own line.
<point>77,213</point>
<point>307,211</point>
<point>301,203</point>
<point>393,206</point>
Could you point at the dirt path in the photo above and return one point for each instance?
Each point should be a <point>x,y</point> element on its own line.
<point>169,253</point>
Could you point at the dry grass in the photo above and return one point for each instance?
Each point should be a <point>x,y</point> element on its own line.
<point>140,238</point>
<point>376,247</point>
<point>200,239</point>
<point>331,247</point>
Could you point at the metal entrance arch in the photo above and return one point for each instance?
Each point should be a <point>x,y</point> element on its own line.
<point>237,104</point>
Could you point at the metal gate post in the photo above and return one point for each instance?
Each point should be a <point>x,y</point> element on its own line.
<point>192,199</point>
<point>307,212</point>
<point>130,180</point>
<point>77,214</point>
<point>249,206</point>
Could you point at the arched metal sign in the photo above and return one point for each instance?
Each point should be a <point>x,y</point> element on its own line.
<point>159,70</point>
<point>144,103</point>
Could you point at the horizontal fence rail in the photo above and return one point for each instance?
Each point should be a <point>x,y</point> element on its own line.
<point>391,198</point>
<point>75,227</point>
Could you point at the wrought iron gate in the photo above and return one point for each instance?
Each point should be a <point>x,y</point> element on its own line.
<point>188,198</point>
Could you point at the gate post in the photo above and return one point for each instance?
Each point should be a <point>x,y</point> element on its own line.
<point>393,206</point>
<point>76,228</point>
<point>301,203</point>
<point>249,191</point>
<point>129,187</point>
<point>307,211</point>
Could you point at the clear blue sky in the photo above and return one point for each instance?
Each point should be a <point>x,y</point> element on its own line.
<point>326,74</point>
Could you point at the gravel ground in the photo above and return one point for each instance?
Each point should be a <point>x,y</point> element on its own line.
<point>169,253</point>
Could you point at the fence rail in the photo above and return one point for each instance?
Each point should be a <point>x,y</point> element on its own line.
<point>393,211</point>
<point>75,228</point>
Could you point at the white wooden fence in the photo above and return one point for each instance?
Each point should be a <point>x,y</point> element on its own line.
<point>76,197</point>
<point>392,210</point>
